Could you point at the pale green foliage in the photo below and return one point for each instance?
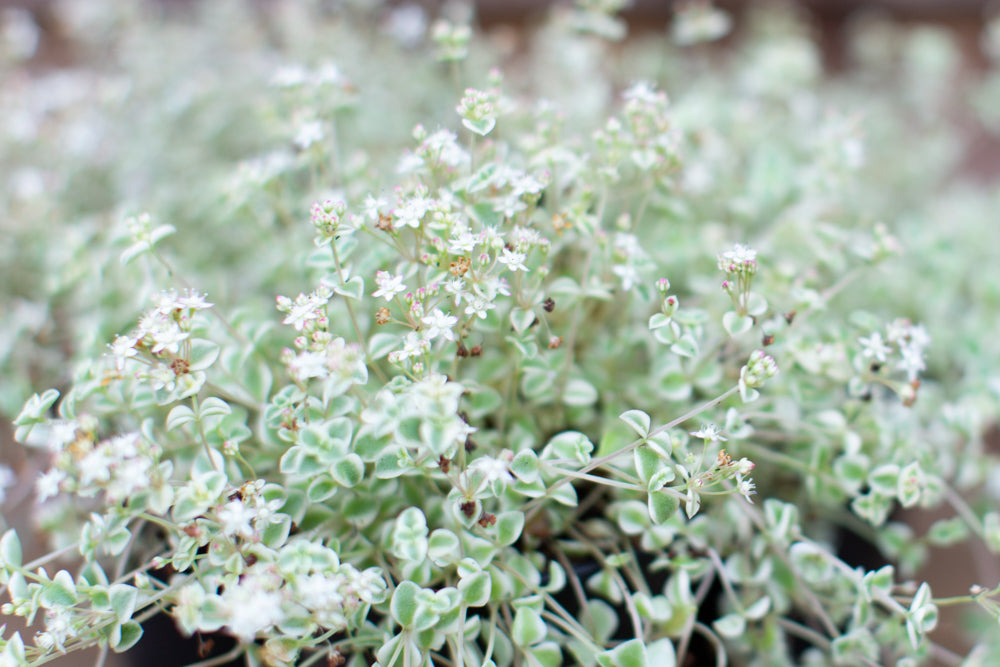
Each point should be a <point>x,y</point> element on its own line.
<point>481,427</point>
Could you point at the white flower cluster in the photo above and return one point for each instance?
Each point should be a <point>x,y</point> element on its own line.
<point>902,336</point>
<point>247,513</point>
<point>302,587</point>
<point>740,261</point>
<point>162,330</point>
<point>307,311</point>
<point>119,466</point>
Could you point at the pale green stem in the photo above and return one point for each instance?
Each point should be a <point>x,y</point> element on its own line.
<point>354,320</point>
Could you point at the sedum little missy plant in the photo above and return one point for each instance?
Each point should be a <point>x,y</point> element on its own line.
<point>568,372</point>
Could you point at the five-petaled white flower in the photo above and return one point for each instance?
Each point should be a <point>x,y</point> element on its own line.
<point>513,260</point>
<point>875,347</point>
<point>388,285</point>
<point>439,324</point>
<point>709,433</point>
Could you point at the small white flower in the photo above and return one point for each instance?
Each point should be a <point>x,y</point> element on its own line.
<point>162,377</point>
<point>479,307</point>
<point>372,207</point>
<point>513,260</point>
<point>308,365</point>
<point>912,362</point>
<point>47,485</point>
<point>252,608</point>
<point>388,285</point>
<point>304,310</point>
<point>167,337</point>
<point>628,274</point>
<point>413,211</point>
<point>492,469</point>
<point>309,133</point>
<point>94,467</point>
<point>455,286</point>
<point>123,348</point>
<point>193,300</point>
<point>709,433</point>
<point>237,519</point>
<point>874,347</point>
<point>463,244</point>
<point>439,324</point>
<point>165,302</point>
<point>740,262</point>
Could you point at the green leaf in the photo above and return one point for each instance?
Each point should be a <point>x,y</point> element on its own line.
<point>872,507</point>
<point>125,636</point>
<point>569,445</point>
<point>354,288</point>
<point>647,462</point>
<point>735,324</point>
<point>637,420</point>
<point>662,506</point>
<point>730,625</point>
<point>627,654</point>
<point>660,479</point>
<point>203,354</point>
<point>508,527</point>
<point>756,304</point>
<point>443,547</point>
<point>687,346</point>
<point>674,386</point>
<point>661,653</point>
<point>349,471</point>
<point>946,532</point>
<point>276,533</point>
<point>631,516</point>
<point>528,627</point>
<point>884,479</point>
<point>60,592</point>
<point>482,127</point>
<point>476,589</point>
<point>521,319</point>
<point>483,177</point>
<point>546,654</point>
<point>758,609</point>
<point>122,599</point>
<point>34,412</point>
<point>911,483</point>
<point>212,411</point>
<point>658,321</point>
<point>179,415</point>
<point>404,603</point>
<point>133,251</point>
<point>579,392</point>
<point>257,379</point>
<point>10,550</point>
<point>321,488</point>
<point>525,466</point>
<point>537,382</point>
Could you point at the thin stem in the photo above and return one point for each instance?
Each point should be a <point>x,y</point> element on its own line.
<point>58,553</point>
<point>593,478</point>
<point>532,507</point>
<point>721,659</point>
<point>350,311</point>
<point>804,632</point>
<point>703,588</point>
